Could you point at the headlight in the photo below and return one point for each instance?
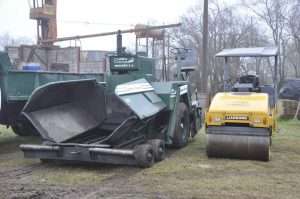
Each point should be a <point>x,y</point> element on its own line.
<point>217,119</point>
<point>256,120</point>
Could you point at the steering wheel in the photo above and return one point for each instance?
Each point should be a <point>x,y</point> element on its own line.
<point>248,79</point>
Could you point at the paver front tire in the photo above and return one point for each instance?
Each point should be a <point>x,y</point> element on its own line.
<point>159,149</point>
<point>182,126</point>
<point>144,155</point>
<point>17,130</point>
<point>24,129</point>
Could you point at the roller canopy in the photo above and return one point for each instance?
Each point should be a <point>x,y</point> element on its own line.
<point>249,52</point>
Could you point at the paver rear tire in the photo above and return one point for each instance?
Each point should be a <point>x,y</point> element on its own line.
<point>182,126</point>
<point>144,155</point>
<point>159,149</point>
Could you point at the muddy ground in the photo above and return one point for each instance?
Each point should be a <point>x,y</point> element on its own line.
<point>185,173</point>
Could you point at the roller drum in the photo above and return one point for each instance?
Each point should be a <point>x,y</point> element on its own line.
<point>238,146</point>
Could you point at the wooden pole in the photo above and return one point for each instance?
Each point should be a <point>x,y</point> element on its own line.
<point>297,111</point>
<point>205,46</point>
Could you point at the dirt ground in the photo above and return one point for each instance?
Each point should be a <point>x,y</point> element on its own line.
<point>185,173</point>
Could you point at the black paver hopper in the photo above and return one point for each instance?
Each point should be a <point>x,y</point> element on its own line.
<point>68,111</point>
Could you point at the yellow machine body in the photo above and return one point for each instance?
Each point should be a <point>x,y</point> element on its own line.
<point>250,109</point>
<point>240,125</point>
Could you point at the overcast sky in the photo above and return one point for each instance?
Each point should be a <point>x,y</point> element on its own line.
<point>77,17</point>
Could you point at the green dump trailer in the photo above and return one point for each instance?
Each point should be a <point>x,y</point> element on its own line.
<point>126,120</point>
<point>17,86</point>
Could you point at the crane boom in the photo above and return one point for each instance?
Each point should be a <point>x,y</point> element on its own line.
<point>49,41</point>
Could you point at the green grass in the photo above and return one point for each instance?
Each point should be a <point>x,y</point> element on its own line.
<point>6,132</point>
<point>185,173</point>
<point>188,172</point>
<point>9,142</point>
<point>71,175</point>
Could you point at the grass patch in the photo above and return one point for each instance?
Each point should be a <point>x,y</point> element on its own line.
<point>6,132</point>
<point>9,142</point>
<point>185,173</point>
<point>188,173</point>
<point>71,176</point>
<point>15,161</point>
<point>76,174</point>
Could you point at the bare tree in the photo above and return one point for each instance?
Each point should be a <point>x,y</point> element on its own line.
<point>227,29</point>
<point>7,40</point>
<point>293,24</point>
<point>273,13</point>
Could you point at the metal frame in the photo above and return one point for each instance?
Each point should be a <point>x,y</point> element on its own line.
<point>78,153</point>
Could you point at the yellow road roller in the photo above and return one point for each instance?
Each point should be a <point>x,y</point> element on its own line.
<point>240,121</point>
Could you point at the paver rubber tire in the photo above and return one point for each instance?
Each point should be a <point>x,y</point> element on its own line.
<point>182,126</point>
<point>159,149</point>
<point>17,130</point>
<point>24,129</point>
<point>144,155</point>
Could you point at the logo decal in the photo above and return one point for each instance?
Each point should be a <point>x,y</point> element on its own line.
<point>236,117</point>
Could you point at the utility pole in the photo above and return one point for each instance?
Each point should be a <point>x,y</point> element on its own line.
<point>277,43</point>
<point>205,48</point>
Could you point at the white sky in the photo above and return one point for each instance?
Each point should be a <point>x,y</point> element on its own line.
<point>14,15</point>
